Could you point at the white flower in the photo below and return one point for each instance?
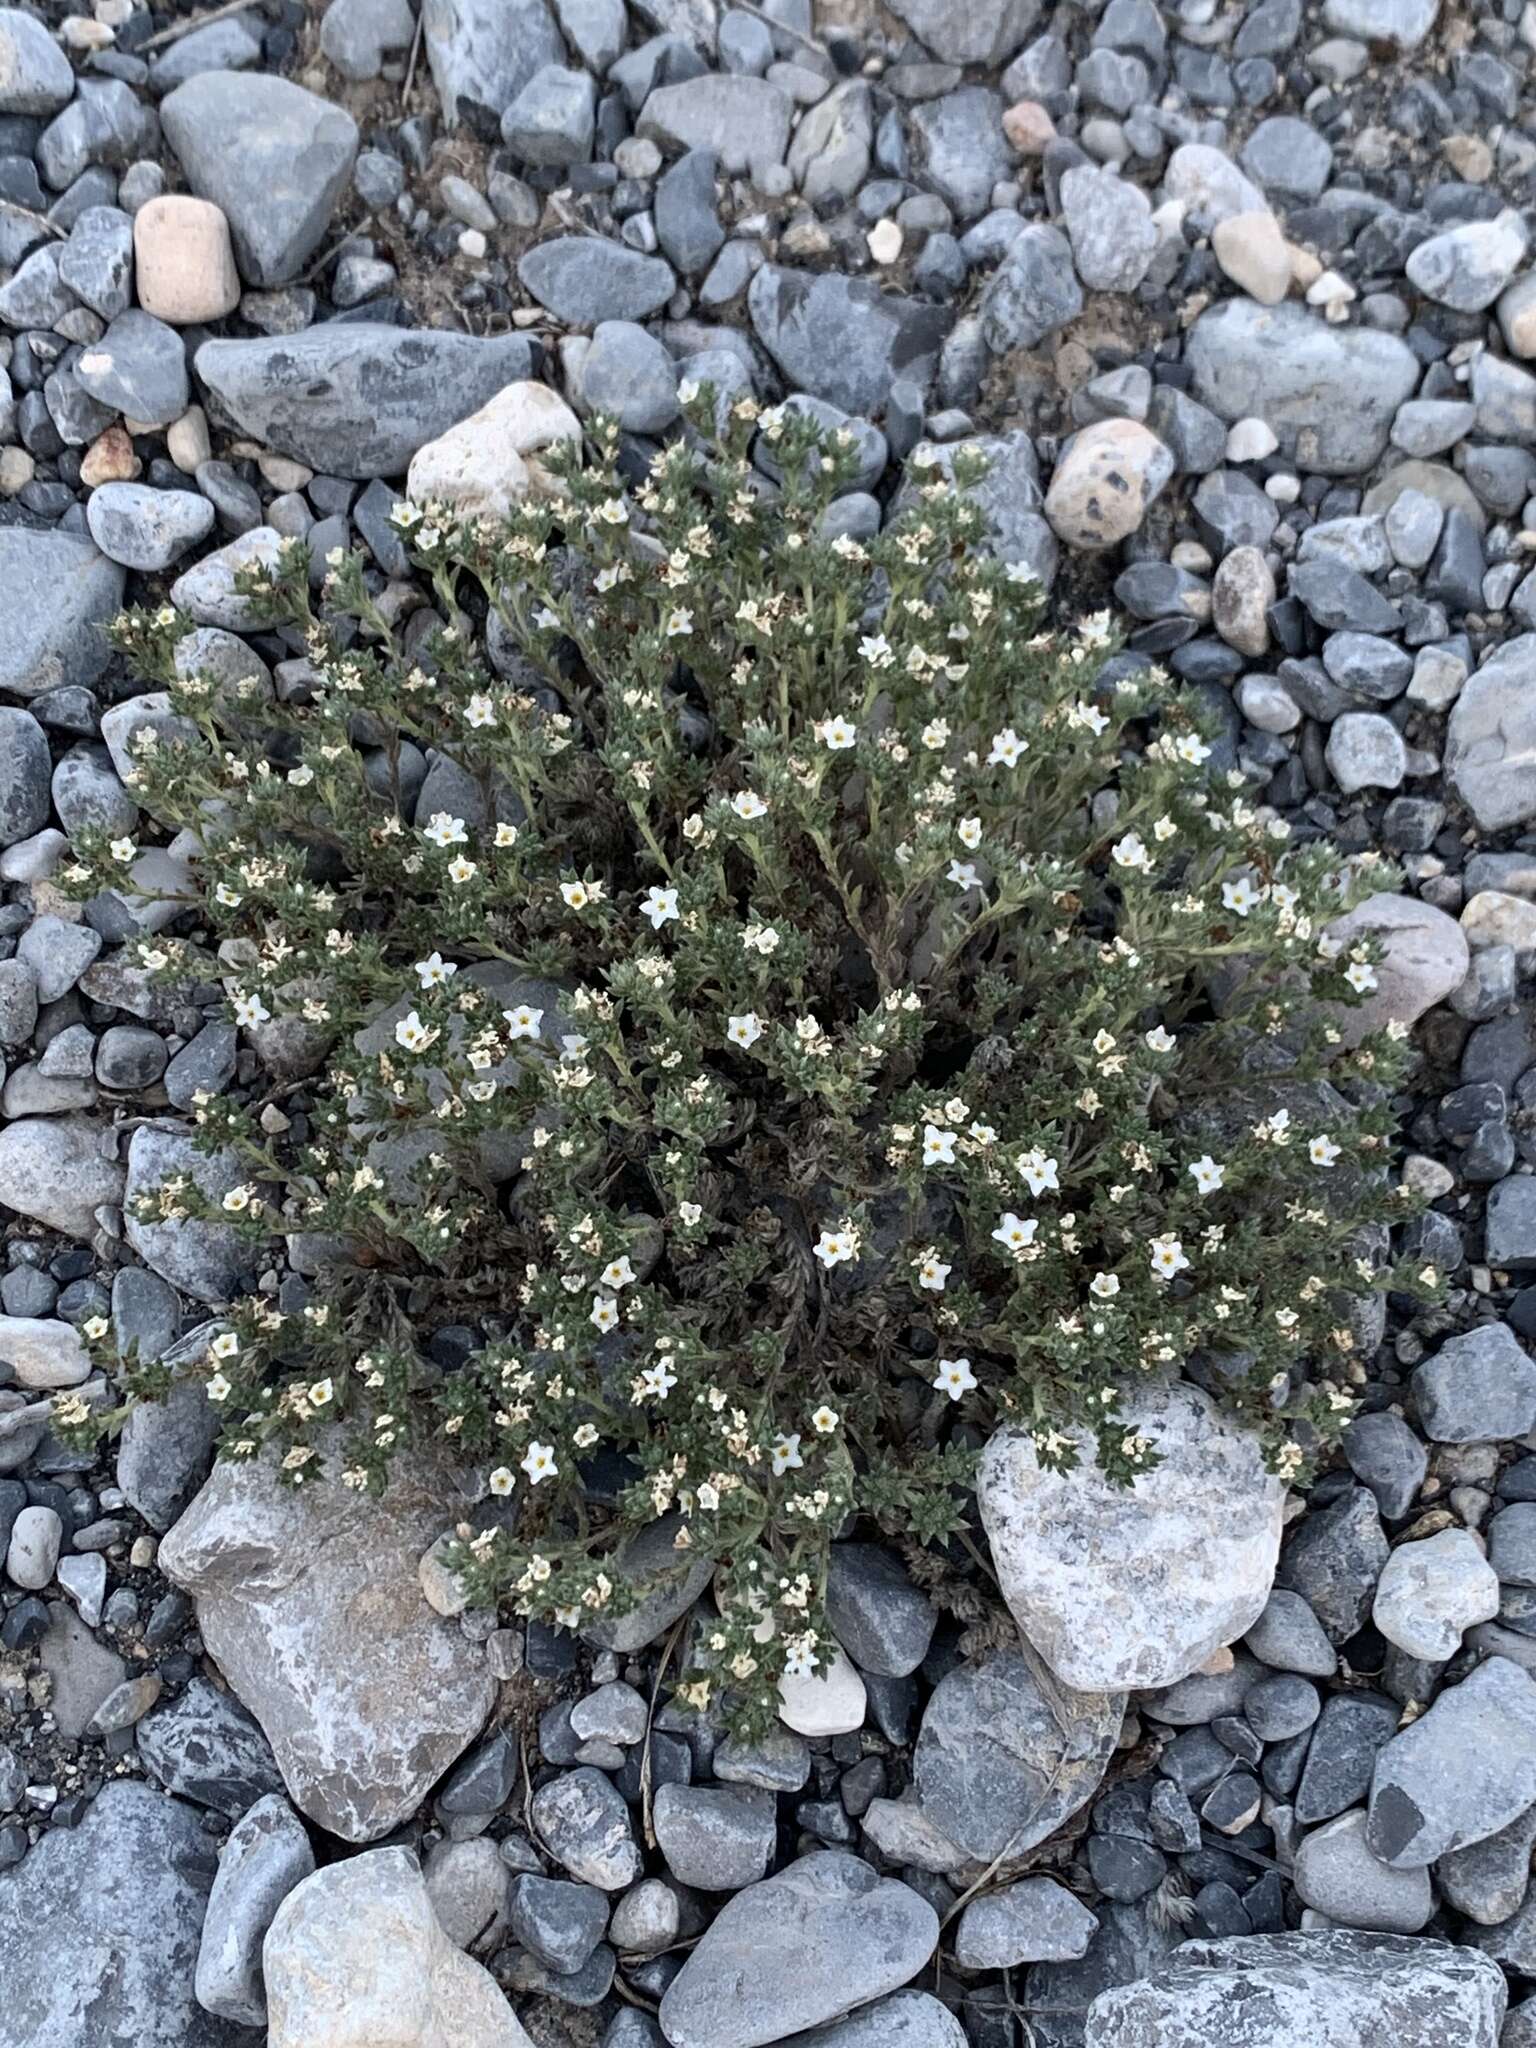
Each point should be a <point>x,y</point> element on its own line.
<point>785,1453</point>
<point>656,1382</point>
<point>539,1462</point>
<point>320,1393</point>
<point>954,1377</point>
<point>1322,1151</point>
<point>1207,1175</point>
<point>1130,852</point>
<point>963,874</point>
<point>1192,750</point>
<point>1013,1233</point>
<point>501,1481</point>
<point>445,831</point>
<point>1240,896</point>
<point>800,1660</point>
<point>1105,1285</point>
<point>229,898</point>
<point>836,734</point>
<point>237,1199</point>
<point>825,1420</point>
<point>217,1389</point>
<point>659,906</point>
<point>461,870</point>
<point>576,894</point>
<point>434,970</point>
<point>877,650</point>
<point>938,1146</point>
<point>1361,977</point>
<point>689,1213</point>
<point>225,1345</point>
<point>679,623</point>
<point>834,1247</point>
<point>1007,749</point>
<point>1167,1256</point>
<point>122,850</point>
<point>249,1010</point>
<point>968,831</point>
<point>523,1022</point>
<point>412,1034</point>
<point>617,1273</point>
<point>1159,1040</point>
<point>479,711</point>
<point>506,835</point>
<point>745,1029</point>
<point>932,1273</point>
<point>747,804</point>
<point>1039,1172</point>
<point>605,1312</point>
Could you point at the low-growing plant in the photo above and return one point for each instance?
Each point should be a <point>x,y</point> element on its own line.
<point>824,1017</point>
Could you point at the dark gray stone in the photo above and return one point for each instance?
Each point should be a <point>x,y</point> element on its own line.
<point>841,338</point>
<point>205,1747</point>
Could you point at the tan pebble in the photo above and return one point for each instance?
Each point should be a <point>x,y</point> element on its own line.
<point>1028,127</point>
<point>17,470</point>
<point>1252,252</point>
<point>184,263</point>
<point>186,439</point>
<point>1469,157</point>
<point>282,472</point>
<point>884,239</point>
<point>1105,478</point>
<point>1306,268</point>
<point>110,459</point>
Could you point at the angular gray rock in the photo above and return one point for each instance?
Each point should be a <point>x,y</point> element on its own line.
<point>52,1169</point>
<point>1459,1773</point>
<point>204,1259</point>
<point>584,1824</point>
<point>1122,1587</point>
<point>818,1940</point>
<point>275,157</point>
<point>99,1930</point>
<point>716,1838</point>
<point>1329,393</point>
<point>25,776</point>
<point>1432,1591</point>
<point>483,52</point>
<point>1032,292</point>
<point>1479,1387</point>
<point>667,1580</point>
<point>1283,1990</point>
<point>1006,1753</point>
<point>744,121</point>
<point>204,1746</point>
<point>60,592</point>
<point>979,32</point>
<point>1333,1560</point>
<point>842,338</point>
<point>309,1602</point>
<point>878,1615</point>
<point>583,280</point>
<point>266,1854</point>
<point>357,400</point>
<point>1490,752</point>
<point>1036,1920</point>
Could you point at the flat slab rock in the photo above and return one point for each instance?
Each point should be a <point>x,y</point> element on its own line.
<point>1122,1587</point>
<point>1459,1773</point>
<point>309,1602</point>
<point>804,1947</point>
<point>1339,1989</point>
<point>99,1930</point>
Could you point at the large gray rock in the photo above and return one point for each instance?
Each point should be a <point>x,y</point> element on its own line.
<point>961,147</point>
<point>204,1746</point>
<point>743,120</point>
<point>974,32</point>
<point>357,400</point>
<point>804,1947</point>
<point>842,338</point>
<point>1317,1990</point>
<point>25,775</point>
<point>1459,1773</point>
<point>275,157</point>
<point>1121,1587</point>
<point>1006,1753</point>
<point>908,2019</point>
<point>99,1930</point>
<point>1329,393</point>
<point>60,591</point>
<point>35,75</point>
<point>52,1169</point>
<point>483,52</point>
<point>356,1958</point>
<point>266,1855</point>
<point>206,1259</point>
<point>584,1824</point>
<point>1490,753</point>
<point>585,279</point>
<point>1424,955</point>
<point>309,1602</point>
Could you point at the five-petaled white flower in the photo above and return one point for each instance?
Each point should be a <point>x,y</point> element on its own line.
<point>479,710</point>
<point>835,1247</point>
<point>825,1420</point>
<point>1039,1172</point>
<point>218,1388</point>
<point>1159,1040</point>
<point>932,1273</point>
<point>659,906</point>
<point>1105,1285</point>
<point>747,804</point>
<point>1240,896</point>
<point>800,1660</point>
<point>502,1481</point>
<point>1167,1256</point>
<point>412,1034</point>
<point>836,734</point>
<point>523,1022</point>
<point>605,1312</point>
<point>938,1146</point>
<point>968,832</point>
<point>1007,749</point>
<point>576,895</point>
<point>319,1393</point>
<point>877,650</point>
<point>461,870</point>
<point>1207,1175</point>
<point>785,1453</point>
<point>249,1010</point>
<point>1131,852</point>
<point>656,1382</point>
<point>434,970</point>
<point>745,1029</point>
<point>679,623</point>
<point>617,1273</point>
<point>122,850</point>
<point>954,1377</point>
<point>963,874</point>
<point>539,1462</point>
<point>443,830</point>
<point>1013,1233</point>
<point>1361,976</point>
<point>1322,1151</point>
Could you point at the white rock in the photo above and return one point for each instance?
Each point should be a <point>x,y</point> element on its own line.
<point>1251,440</point>
<point>830,1701</point>
<point>1495,918</point>
<point>43,1353</point>
<point>1119,1587</point>
<point>1432,1590</point>
<point>485,463</point>
<point>356,1958</point>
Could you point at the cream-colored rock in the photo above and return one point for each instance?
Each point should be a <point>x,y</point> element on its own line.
<point>43,1353</point>
<point>1106,477</point>
<point>110,459</point>
<point>489,461</point>
<point>1241,595</point>
<point>184,262</point>
<point>885,240</point>
<point>356,1958</point>
<point>830,1701</point>
<point>187,441</point>
<point>1493,918</point>
<point>1251,251</point>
